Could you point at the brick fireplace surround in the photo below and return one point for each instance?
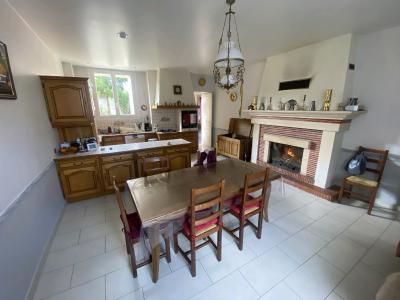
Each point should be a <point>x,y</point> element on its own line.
<point>320,132</point>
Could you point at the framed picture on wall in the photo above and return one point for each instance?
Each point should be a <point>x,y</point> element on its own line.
<point>7,88</point>
<point>177,90</point>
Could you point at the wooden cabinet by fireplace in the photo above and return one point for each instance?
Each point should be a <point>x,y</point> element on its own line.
<point>80,178</point>
<point>121,166</point>
<point>236,143</point>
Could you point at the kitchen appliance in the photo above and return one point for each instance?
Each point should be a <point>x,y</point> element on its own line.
<point>91,147</point>
<point>189,119</point>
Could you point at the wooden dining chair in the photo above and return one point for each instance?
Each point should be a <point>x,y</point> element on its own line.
<point>132,230</point>
<point>204,219</point>
<point>376,161</point>
<point>155,165</point>
<point>250,203</point>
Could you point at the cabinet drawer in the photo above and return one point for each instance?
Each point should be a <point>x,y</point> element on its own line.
<point>119,157</point>
<point>78,163</point>
<point>149,153</point>
<point>178,150</point>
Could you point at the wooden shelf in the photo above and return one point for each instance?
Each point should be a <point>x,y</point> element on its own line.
<point>174,106</point>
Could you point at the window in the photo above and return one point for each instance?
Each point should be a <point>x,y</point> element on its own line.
<point>114,94</point>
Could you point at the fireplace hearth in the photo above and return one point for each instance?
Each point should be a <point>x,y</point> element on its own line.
<point>287,157</point>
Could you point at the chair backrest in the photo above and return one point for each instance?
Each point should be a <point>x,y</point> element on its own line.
<point>207,198</point>
<point>155,165</point>
<point>255,189</point>
<point>376,160</point>
<point>121,206</point>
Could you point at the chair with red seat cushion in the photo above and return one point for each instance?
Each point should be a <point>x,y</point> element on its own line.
<point>205,218</point>
<point>251,203</point>
<point>132,231</point>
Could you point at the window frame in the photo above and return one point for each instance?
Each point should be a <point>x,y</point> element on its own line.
<point>113,74</point>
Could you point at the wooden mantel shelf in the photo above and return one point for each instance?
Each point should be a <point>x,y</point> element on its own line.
<point>328,115</point>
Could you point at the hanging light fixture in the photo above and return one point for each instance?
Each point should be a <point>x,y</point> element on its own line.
<point>229,64</point>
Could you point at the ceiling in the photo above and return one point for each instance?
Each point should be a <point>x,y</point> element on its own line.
<point>184,33</point>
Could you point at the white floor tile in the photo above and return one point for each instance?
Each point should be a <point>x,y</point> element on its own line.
<point>270,237</point>
<point>122,282</point>
<point>315,279</point>
<point>281,291</point>
<point>114,241</point>
<point>268,270</point>
<point>328,227</point>
<point>364,232</point>
<point>361,283</point>
<point>381,257</point>
<point>333,296</point>
<point>99,230</point>
<point>72,255</point>
<point>53,282</point>
<point>99,266</point>
<point>137,295</point>
<point>293,222</point>
<point>315,210</point>
<point>232,259</point>
<point>273,214</point>
<point>93,290</point>
<point>347,214</point>
<point>288,205</point>
<point>392,233</point>
<point>343,253</point>
<point>81,222</point>
<point>185,285</point>
<point>232,287</point>
<point>62,241</point>
<point>302,245</point>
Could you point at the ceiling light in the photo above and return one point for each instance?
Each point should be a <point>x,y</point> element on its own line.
<point>229,64</point>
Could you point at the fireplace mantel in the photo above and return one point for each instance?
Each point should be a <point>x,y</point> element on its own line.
<point>329,126</point>
<point>317,115</point>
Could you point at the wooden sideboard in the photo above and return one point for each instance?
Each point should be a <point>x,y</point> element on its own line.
<point>237,143</point>
<point>91,175</point>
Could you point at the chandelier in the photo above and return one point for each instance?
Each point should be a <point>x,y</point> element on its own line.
<point>229,64</point>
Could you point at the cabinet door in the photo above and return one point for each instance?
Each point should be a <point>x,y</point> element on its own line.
<point>179,161</point>
<point>234,148</point>
<point>221,145</point>
<point>68,101</point>
<point>122,171</point>
<point>79,183</point>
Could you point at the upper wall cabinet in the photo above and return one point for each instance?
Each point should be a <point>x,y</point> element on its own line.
<point>68,100</point>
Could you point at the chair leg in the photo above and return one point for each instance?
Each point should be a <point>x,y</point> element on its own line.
<point>219,244</point>
<point>127,243</point>
<point>372,201</point>
<point>241,234</point>
<point>341,191</point>
<point>193,258</point>
<point>260,222</point>
<point>133,257</point>
<point>167,249</point>
<point>175,235</point>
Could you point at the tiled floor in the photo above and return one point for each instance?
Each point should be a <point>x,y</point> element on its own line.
<point>311,249</point>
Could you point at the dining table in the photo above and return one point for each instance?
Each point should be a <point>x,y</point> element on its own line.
<point>165,197</point>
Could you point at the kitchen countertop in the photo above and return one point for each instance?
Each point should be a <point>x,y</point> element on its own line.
<point>116,149</point>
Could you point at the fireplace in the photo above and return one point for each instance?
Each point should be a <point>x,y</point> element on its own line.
<point>285,156</point>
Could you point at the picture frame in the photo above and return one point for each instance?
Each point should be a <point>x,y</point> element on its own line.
<point>177,90</point>
<point>7,87</point>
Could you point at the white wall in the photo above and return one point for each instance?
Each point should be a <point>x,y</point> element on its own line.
<point>140,94</point>
<point>167,78</point>
<point>27,137</point>
<point>224,109</point>
<point>377,85</point>
<point>325,62</point>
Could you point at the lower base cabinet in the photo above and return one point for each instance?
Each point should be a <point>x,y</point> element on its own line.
<point>81,182</point>
<point>122,171</point>
<point>88,177</point>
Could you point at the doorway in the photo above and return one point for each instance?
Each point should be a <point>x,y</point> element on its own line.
<point>204,101</point>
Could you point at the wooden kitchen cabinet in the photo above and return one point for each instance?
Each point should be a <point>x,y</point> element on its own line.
<point>80,179</point>
<point>68,101</point>
<point>120,166</point>
<point>179,161</point>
